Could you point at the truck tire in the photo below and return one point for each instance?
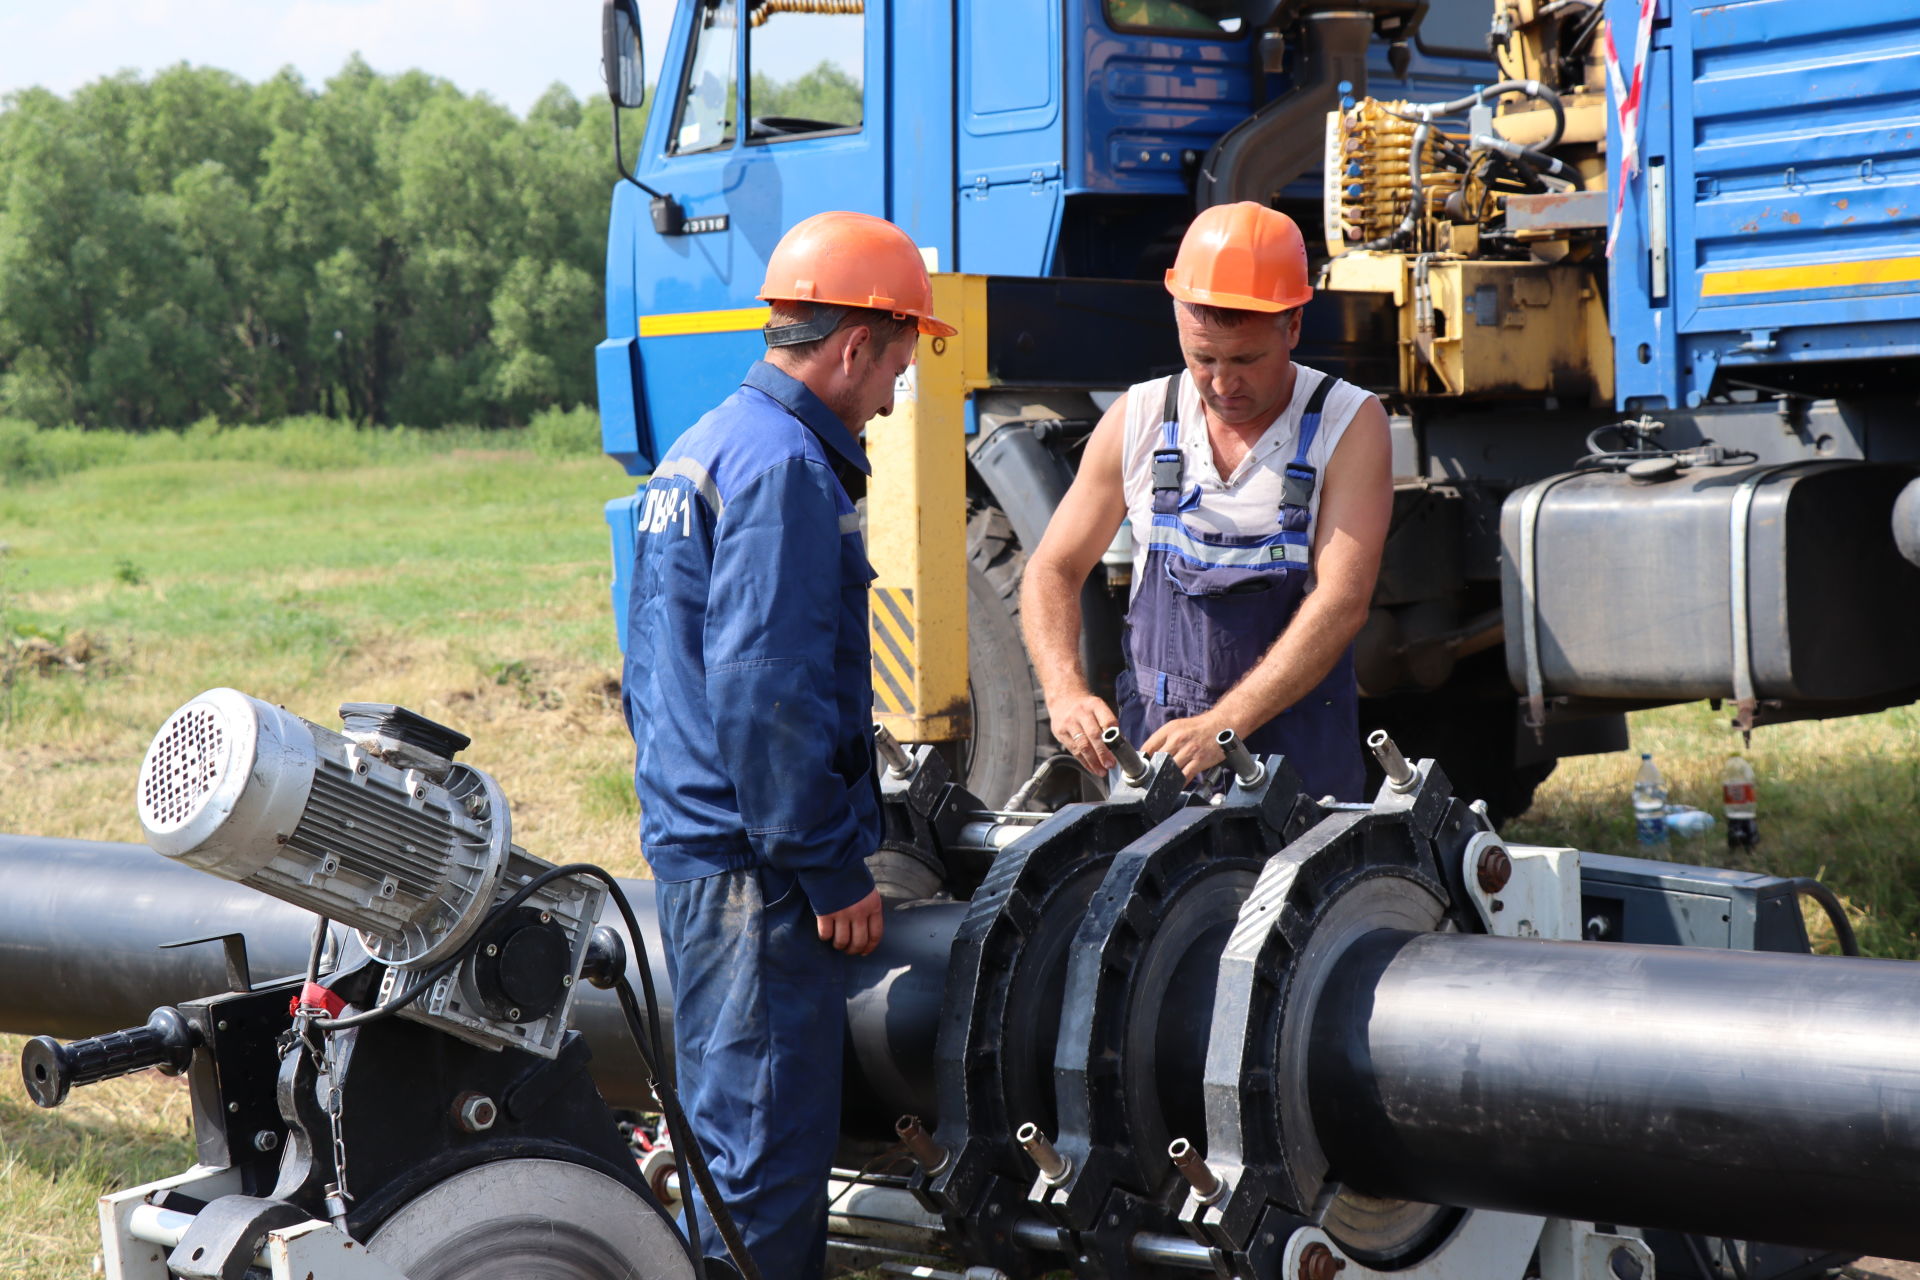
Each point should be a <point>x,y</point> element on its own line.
<point>1010,733</point>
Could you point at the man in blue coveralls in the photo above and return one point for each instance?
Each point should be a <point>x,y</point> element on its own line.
<point>747,688</point>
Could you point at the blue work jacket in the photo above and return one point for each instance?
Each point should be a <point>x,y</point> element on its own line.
<point>747,683</point>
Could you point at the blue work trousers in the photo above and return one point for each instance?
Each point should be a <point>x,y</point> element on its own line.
<point>760,1015</point>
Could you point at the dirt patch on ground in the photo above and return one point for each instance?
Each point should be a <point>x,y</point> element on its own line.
<point>78,652</point>
<point>1883,1269</point>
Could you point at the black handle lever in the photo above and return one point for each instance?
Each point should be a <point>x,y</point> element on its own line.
<point>51,1069</point>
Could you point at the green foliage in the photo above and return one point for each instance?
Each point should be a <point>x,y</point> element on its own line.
<point>308,442</point>
<point>608,794</point>
<point>383,248</point>
<point>31,453</point>
<point>565,433</point>
<point>826,93</point>
<point>10,660</point>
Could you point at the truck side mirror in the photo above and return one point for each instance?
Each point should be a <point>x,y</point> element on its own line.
<point>620,54</point>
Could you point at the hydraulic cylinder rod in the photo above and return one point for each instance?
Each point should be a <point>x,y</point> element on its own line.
<point>1740,1094</point>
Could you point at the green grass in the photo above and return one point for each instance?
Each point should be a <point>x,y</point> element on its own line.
<point>29,454</point>
<point>54,1165</point>
<point>471,583</point>
<point>463,574</point>
<point>466,575</point>
<point>1837,801</point>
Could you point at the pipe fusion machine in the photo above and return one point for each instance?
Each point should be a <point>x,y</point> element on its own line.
<point>1249,1034</point>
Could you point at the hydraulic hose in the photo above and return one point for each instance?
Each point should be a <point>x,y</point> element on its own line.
<point>1530,88</point>
<point>1538,163</point>
<point>1412,217</point>
<point>1836,912</point>
<point>1530,160</point>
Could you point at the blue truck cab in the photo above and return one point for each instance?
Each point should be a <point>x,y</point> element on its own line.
<point>1007,137</point>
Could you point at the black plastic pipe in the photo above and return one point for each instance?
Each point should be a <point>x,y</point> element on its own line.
<point>1751,1095</point>
<point>1757,1096</point>
<point>82,924</point>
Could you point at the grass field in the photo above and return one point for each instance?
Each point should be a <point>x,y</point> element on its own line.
<point>467,577</point>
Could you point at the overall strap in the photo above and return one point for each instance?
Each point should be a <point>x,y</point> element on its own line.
<point>1168,462</point>
<point>1301,475</point>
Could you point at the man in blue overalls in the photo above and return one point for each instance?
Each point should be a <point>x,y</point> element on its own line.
<point>748,692</point>
<point>1258,492</point>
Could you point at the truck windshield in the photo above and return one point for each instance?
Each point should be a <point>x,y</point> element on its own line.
<point>805,67</point>
<point>1176,17</point>
<point>704,118</point>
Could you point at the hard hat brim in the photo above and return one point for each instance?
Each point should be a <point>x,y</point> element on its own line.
<point>928,325</point>
<point>1236,301</point>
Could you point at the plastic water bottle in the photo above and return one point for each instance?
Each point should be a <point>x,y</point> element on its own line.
<point>1685,820</point>
<point>1650,804</point>
<point>1738,794</point>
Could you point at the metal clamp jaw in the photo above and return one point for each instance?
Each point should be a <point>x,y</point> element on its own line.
<point>1523,891</point>
<point>1488,1244</point>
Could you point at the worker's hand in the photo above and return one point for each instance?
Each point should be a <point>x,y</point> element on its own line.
<point>1190,742</point>
<point>856,929</point>
<point>1078,722</point>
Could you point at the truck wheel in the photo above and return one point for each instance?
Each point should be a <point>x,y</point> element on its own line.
<point>1010,734</point>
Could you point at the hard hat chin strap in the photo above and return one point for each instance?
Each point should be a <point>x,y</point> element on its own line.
<point>824,320</point>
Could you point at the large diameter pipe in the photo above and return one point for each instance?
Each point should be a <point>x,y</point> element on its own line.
<point>1753,1096</point>
<point>1749,1095</point>
<point>83,923</point>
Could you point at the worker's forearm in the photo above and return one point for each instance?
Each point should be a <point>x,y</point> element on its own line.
<point>1050,619</point>
<point>1300,659</point>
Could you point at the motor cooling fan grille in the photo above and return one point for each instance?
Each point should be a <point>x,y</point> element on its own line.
<point>184,766</point>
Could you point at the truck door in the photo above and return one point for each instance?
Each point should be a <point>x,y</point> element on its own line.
<point>766,113</point>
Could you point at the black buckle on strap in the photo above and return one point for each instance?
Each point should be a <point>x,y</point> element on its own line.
<point>1298,490</point>
<point>1167,467</point>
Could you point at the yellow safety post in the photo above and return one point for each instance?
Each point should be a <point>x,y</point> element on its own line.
<point>917,527</point>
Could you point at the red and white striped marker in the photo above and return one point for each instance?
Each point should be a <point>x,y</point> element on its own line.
<point>1628,101</point>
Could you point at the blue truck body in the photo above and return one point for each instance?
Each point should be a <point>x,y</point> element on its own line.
<point>1785,137</point>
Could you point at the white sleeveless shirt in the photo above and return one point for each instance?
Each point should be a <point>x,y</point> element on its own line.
<point>1248,501</point>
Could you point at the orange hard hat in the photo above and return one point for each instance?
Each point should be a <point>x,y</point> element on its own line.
<point>1243,256</point>
<point>847,259</point>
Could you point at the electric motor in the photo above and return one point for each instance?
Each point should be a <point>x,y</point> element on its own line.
<point>380,828</point>
<point>408,851</point>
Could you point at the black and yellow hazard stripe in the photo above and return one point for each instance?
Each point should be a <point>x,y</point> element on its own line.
<point>894,662</point>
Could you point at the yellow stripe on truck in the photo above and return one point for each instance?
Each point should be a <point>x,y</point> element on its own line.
<point>1824,275</point>
<point>678,323</point>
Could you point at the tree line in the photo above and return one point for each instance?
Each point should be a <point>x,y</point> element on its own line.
<point>384,248</point>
